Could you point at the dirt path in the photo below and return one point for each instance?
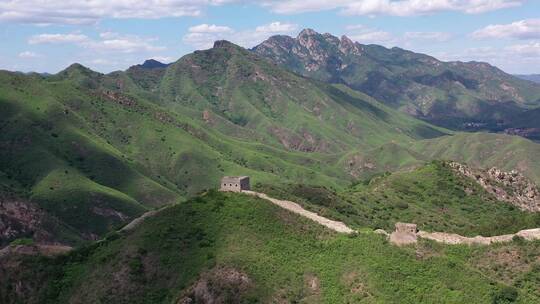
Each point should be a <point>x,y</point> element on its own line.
<point>137,221</point>
<point>296,208</point>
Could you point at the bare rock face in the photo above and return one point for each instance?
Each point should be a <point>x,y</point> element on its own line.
<point>19,218</point>
<point>511,187</point>
<point>221,285</point>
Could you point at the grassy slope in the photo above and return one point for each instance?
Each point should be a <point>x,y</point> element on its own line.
<point>282,255</point>
<point>486,150</point>
<point>85,156</point>
<point>431,196</point>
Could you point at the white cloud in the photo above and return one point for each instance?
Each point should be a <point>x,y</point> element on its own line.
<point>531,49</point>
<point>109,42</point>
<point>521,58</point>
<point>57,38</point>
<point>91,11</point>
<point>276,27</point>
<point>433,36</point>
<point>28,55</point>
<point>390,7</point>
<point>523,29</point>
<point>209,28</point>
<point>364,34</point>
<point>203,36</point>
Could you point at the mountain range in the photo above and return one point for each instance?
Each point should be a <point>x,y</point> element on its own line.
<point>530,77</point>
<point>360,133</point>
<point>457,95</point>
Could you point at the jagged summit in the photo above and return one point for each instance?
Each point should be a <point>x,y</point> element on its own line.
<point>152,64</point>
<point>307,32</point>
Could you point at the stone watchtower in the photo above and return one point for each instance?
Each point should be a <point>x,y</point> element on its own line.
<point>234,183</point>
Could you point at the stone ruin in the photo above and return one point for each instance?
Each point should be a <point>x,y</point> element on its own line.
<point>404,234</point>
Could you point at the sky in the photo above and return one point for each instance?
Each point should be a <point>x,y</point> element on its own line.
<point>108,35</point>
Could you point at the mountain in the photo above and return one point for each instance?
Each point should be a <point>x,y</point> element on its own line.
<point>82,154</point>
<point>457,95</point>
<point>233,248</point>
<point>530,77</point>
<point>93,151</point>
<point>152,64</point>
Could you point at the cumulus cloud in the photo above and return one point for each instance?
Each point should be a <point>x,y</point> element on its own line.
<point>108,42</point>
<point>430,36</point>
<point>391,7</point>
<point>57,38</point>
<point>203,36</point>
<point>28,55</point>
<point>523,29</point>
<point>364,34</point>
<point>528,50</point>
<point>519,58</point>
<point>91,11</point>
<point>276,27</point>
<point>209,28</point>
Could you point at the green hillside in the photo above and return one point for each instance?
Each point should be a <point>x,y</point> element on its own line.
<point>96,150</point>
<point>432,196</point>
<point>233,248</point>
<point>485,150</point>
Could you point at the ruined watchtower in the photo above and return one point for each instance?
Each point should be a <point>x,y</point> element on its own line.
<point>404,234</point>
<point>234,183</point>
<point>406,228</point>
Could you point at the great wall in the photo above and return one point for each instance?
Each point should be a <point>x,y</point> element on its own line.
<point>405,233</point>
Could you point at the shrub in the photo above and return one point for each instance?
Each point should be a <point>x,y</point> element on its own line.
<point>505,295</point>
<point>22,241</point>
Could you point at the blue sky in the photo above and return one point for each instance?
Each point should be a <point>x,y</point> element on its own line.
<point>107,35</point>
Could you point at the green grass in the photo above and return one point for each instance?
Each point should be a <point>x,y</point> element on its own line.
<point>280,253</point>
<point>432,196</point>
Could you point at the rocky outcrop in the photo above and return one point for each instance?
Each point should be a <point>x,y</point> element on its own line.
<point>221,285</point>
<point>20,218</point>
<point>511,187</point>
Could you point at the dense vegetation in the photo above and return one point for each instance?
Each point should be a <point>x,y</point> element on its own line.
<point>283,258</point>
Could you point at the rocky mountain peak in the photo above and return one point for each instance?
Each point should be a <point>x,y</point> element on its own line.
<point>307,33</point>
